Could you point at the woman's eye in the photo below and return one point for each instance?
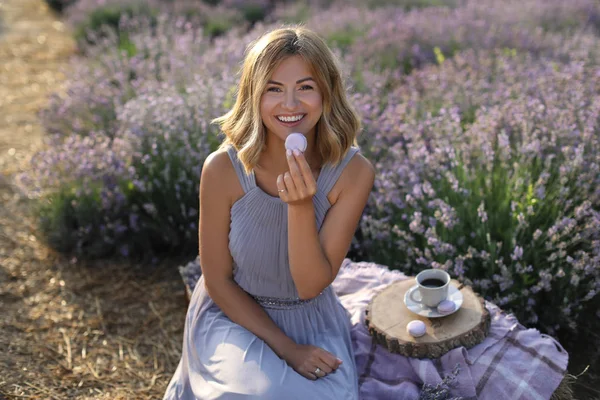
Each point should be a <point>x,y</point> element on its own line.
<point>277,89</point>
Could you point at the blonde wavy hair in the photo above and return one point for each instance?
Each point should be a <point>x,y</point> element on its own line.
<point>242,125</point>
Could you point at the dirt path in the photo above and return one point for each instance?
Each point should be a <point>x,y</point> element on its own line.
<point>68,329</point>
<point>34,45</point>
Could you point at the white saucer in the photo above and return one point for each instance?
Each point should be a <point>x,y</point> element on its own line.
<point>454,295</point>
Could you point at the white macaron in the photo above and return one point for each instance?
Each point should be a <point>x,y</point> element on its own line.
<point>296,141</point>
<point>416,328</point>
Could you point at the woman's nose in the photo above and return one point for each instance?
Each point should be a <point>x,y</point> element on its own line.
<point>290,101</point>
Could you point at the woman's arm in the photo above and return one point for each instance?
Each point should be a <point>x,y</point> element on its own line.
<point>315,257</point>
<point>216,198</point>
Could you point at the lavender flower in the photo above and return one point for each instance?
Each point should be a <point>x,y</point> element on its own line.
<point>441,391</point>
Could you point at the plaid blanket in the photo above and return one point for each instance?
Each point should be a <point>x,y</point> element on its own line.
<point>511,363</point>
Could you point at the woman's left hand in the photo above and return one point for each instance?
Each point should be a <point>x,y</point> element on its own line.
<point>298,184</point>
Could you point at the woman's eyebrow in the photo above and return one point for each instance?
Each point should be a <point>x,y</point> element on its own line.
<point>297,82</point>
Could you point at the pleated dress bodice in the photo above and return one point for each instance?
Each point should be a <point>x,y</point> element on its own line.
<point>258,237</point>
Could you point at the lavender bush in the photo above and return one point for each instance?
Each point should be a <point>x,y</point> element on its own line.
<point>408,4</point>
<point>81,208</point>
<point>135,193</point>
<point>489,168</point>
<point>176,54</point>
<point>112,77</point>
<point>130,131</point>
<point>91,15</point>
<point>252,10</point>
<point>88,16</point>
<point>390,38</point>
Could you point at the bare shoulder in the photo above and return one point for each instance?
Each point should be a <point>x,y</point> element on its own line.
<point>358,172</point>
<point>360,164</point>
<point>218,161</point>
<point>356,179</point>
<point>219,177</point>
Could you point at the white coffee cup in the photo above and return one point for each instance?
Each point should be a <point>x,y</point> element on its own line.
<point>432,287</point>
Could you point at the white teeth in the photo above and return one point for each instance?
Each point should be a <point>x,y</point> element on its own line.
<point>291,119</point>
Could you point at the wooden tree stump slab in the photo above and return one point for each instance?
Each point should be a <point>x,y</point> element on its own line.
<point>388,316</point>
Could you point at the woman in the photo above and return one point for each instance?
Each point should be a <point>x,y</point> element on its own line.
<point>275,225</point>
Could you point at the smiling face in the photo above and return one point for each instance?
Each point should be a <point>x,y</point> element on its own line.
<point>292,101</point>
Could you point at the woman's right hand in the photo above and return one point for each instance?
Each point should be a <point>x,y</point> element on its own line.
<point>305,359</point>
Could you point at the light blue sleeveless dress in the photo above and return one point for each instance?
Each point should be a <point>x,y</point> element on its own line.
<point>221,359</point>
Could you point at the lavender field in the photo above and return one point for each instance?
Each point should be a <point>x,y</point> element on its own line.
<point>482,118</point>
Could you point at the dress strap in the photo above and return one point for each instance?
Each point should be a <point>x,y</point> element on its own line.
<point>332,172</point>
<point>246,180</point>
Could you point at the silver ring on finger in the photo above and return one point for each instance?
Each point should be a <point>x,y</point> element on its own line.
<point>317,371</point>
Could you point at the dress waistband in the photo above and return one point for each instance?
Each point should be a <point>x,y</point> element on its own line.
<point>282,303</point>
